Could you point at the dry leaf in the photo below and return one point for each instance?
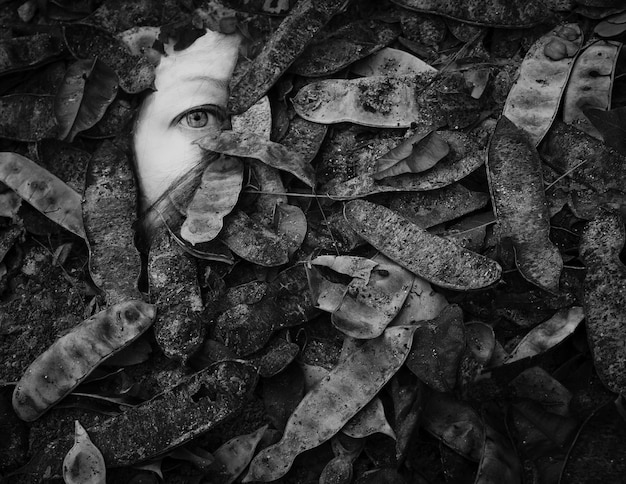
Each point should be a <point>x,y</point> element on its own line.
<point>83,463</point>
<point>548,334</point>
<point>215,198</point>
<point>366,310</point>
<point>88,88</point>
<point>418,153</point>
<point>534,99</point>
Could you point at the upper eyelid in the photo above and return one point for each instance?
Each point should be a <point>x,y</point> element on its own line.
<point>217,111</point>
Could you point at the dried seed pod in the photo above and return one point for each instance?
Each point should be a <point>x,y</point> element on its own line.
<point>59,369</point>
<point>83,464</point>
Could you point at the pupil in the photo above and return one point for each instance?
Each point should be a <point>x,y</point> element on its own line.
<point>197,119</point>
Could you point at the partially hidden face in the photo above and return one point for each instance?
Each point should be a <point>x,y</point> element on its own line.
<point>189,102</point>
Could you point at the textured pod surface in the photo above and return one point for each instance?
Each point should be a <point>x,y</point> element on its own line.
<point>168,420</point>
<point>173,276</point>
<point>251,145</point>
<point>517,192</point>
<point>390,61</point>
<point>435,259</point>
<point>534,99</point>
<point>604,299</point>
<point>109,213</point>
<point>23,53</point>
<point>337,398</point>
<point>491,13</point>
<point>73,356</point>
<point>287,43</point>
<point>88,42</point>
<point>27,117</point>
<point>43,190</point>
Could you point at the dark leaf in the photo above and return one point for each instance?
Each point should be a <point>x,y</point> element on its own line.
<point>88,89</point>
<point>611,125</point>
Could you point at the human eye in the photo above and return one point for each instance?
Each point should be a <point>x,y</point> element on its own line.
<point>202,117</point>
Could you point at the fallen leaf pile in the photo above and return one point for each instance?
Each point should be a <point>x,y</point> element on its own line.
<point>402,262</point>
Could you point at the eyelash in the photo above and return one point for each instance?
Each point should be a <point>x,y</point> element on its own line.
<point>212,111</point>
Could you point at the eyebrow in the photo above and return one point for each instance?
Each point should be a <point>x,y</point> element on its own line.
<point>221,83</point>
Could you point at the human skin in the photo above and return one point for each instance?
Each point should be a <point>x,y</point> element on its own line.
<point>189,102</point>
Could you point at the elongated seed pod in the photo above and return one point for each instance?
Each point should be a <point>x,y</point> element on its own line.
<point>59,369</point>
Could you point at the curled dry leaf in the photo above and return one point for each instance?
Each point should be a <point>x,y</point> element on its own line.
<point>534,99</point>
<point>25,53</point>
<point>88,88</point>
<point>438,348</point>
<point>465,156</point>
<point>491,13</point>
<point>246,328</point>
<point>27,117</point>
<point>172,418</point>
<point>83,464</point>
<point>43,190</point>
<point>429,98</point>
<point>215,198</point>
<point>337,398</point>
<point>252,241</point>
<point>369,305</point>
<point>435,259</point>
<point>590,84</point>
<point>391,62</point>
<point>291,225</point>
<point>344,46</point>
<point>136,73</point>
<point>517,193</point>
<point>58,370</point>
<point>109,212</point>
<point>422,303</point>
<point>548,334</point>
<point>282,49</point>
<point>604,297</point>
<point>234,456</point>
<point>251,145</point>
<point>418,153</point>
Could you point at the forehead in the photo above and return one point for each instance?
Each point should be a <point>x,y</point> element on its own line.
<point>212,56</point>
